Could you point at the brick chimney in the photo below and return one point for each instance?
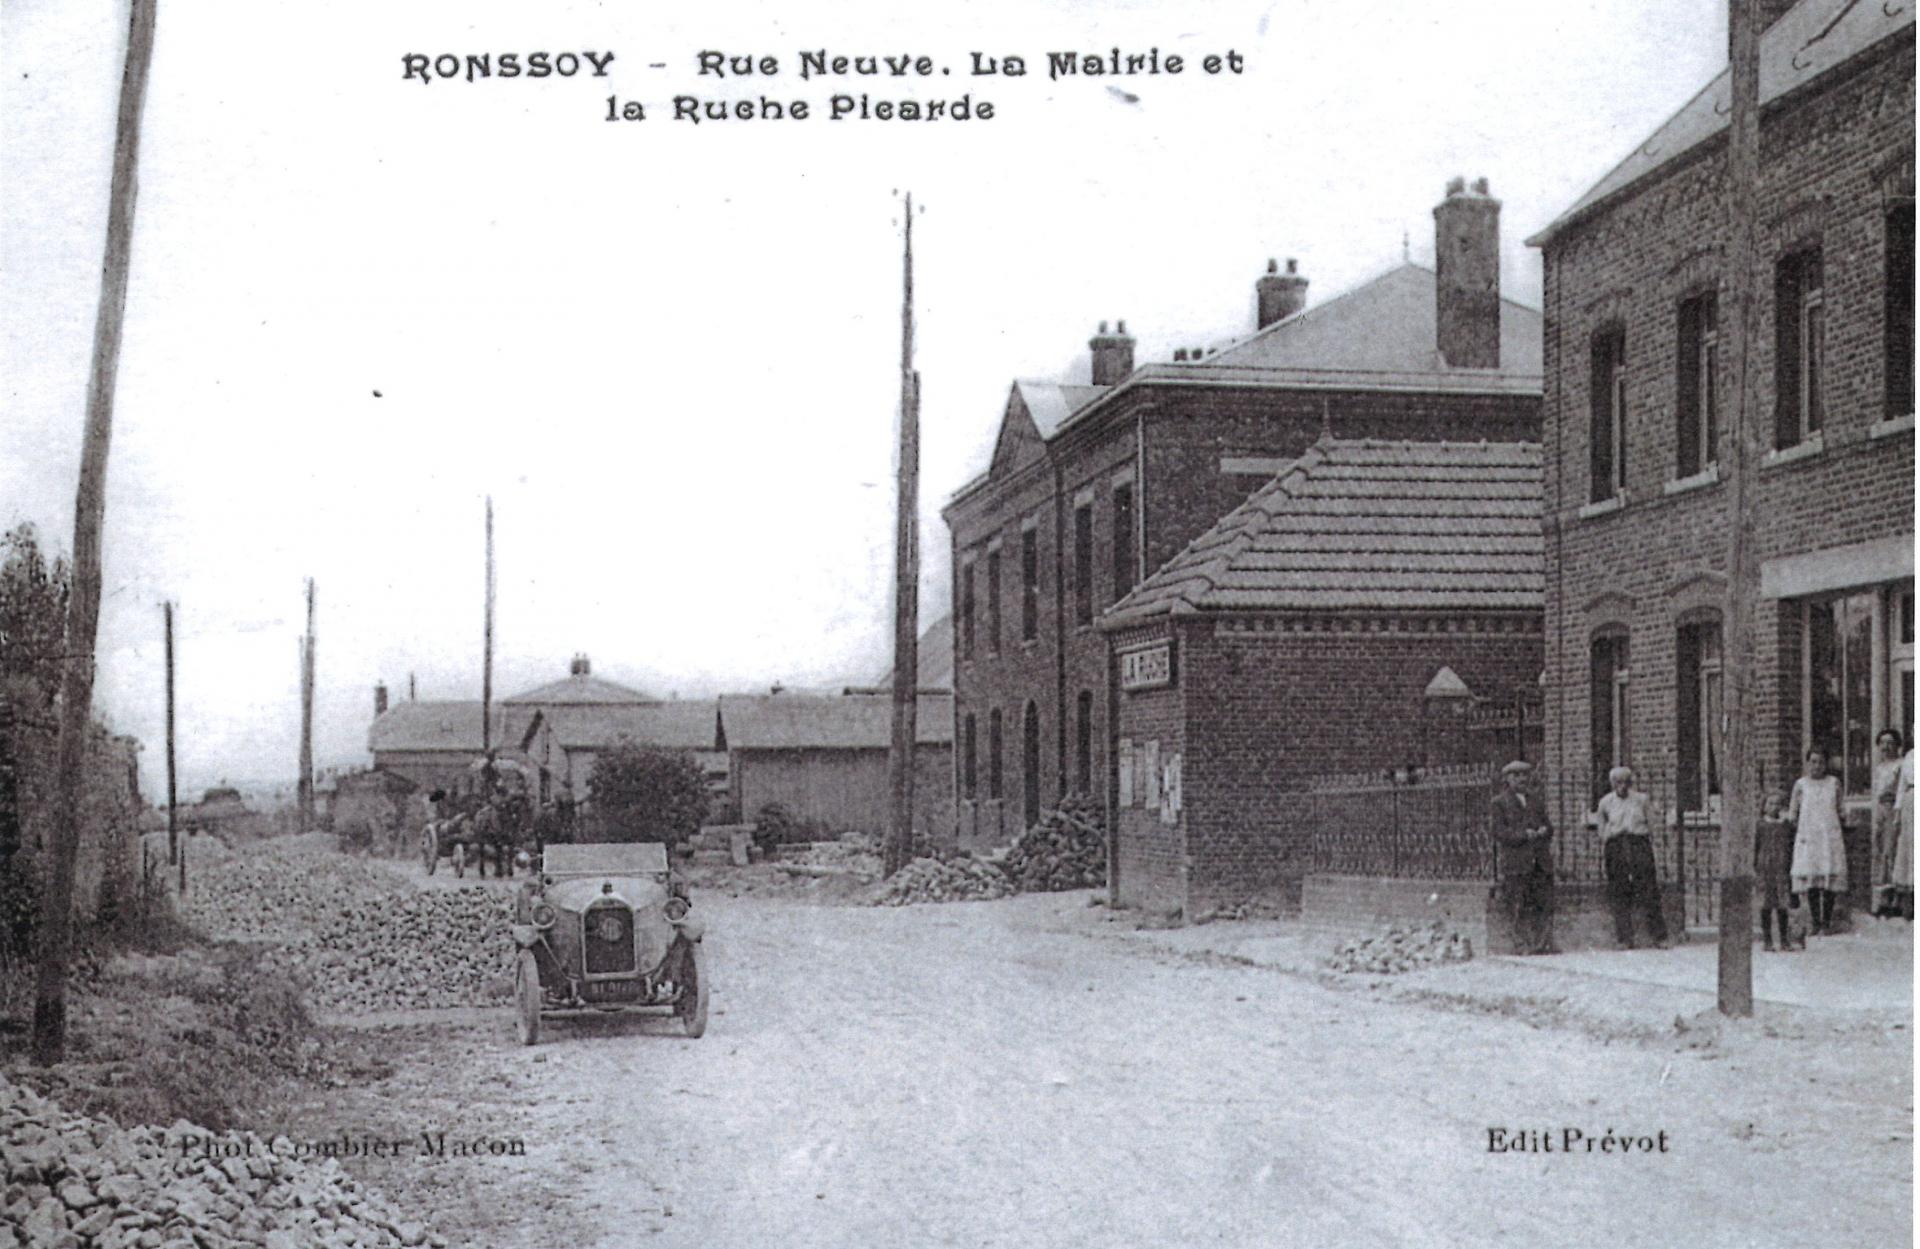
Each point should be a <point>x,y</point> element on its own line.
<point>1771,11</point>
<point>380,698</point>
<point>1278,295</point>
<point>1466,248</point>
<point>1112,355</point>
<point>580,667</point>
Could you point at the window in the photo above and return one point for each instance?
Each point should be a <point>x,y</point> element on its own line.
<point>1030,766</point>
<point>1609,707</point>
<point>1900,636</point>
<point>1083,564</point>
<point>1124,561</point>
<point>969,759</point>
<point>1799,318</point>
<point>966,608</point>
<point>1699,395</point>
<point>1029,583</point>
<point>1083,760</point>
<point>995,776</point>
<point>993,601</point>
<point>1698,694</point>
<point>1607,444</point>
<point>1838,705</point>
<point>1900,310</point>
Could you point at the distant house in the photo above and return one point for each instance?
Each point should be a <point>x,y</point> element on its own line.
<point>824,758</point>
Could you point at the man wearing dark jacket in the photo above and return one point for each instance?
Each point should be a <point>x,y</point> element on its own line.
<point>1524,839</point>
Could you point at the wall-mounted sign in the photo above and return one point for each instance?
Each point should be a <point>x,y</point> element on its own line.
<point>1148,668</point>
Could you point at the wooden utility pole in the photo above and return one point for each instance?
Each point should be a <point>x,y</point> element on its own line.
<point>173,796</point>
<point>89,514</point>
<point>305,790</point>
<point>1739,773</point>
<point>906,586</point>
<point>486,667</point>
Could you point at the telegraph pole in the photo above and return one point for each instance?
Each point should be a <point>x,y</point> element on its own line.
<point>89,515</point>
<point>1740,772</point>
<point>906,585</point>
<point>486,667</point>
<point>305,790</point>
<point>173,800</point>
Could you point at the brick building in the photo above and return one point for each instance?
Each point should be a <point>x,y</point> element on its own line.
<point>1342,620</point>
<point>1637,408</point>
<point>1091,487</point>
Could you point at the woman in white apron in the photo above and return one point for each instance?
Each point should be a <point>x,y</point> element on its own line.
<point>1819,847</point>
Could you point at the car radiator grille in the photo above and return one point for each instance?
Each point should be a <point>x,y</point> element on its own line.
<point>609,940</point>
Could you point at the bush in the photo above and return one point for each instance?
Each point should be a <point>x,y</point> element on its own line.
<point>643,794</point>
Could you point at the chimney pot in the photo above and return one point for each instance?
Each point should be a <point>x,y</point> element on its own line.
<point>581,666</point>
<point>1179,355</point>
<point>1103,327</point>
<point>1466,250</point>
<point>380,698</point>
<point>1480,187</point>
<point>1277,295</point>
<point>1112,355</point>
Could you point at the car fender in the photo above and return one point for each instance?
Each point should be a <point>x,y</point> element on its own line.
<point>690,928</point>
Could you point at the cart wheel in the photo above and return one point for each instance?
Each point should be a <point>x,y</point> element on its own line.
<point>526,997</point>
<point>430,848</point>
<point>690,1008</point>
<point>460,858</point>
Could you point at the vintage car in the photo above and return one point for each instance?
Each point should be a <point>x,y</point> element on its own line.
<point>606,928</point>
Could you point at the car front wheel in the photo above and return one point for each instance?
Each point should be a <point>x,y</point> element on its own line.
<point>690,1008</point>
<point>526,997</point>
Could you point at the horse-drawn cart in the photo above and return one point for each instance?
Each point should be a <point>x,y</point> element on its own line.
<point>494,821</point>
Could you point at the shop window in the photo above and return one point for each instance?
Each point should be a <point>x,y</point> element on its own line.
<point>1899,311</point>
<point>1698,408</point>
<point>1029,584</point>
<point>1124,557</point>
<point>1799,318</point>
<point>1698,694</point>
<point>996,776</point>
<point>1607,436</point>
<point>1857,677</point>
<point>1083,757</point>
<point>1083,564</point>
<point>1608,703</point>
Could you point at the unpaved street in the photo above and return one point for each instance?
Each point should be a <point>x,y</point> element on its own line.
<point>1013,1073</point>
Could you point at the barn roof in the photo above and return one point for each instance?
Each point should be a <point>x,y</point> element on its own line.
<point>835,722</point>
<point>1391,526</point>
<point>578,689</point>
<point>683,724</point>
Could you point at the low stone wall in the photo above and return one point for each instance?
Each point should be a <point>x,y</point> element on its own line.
<point>1345,906</point>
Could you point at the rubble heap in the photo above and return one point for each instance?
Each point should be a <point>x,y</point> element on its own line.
<point>78,1182</point>
<point>1401,950</point>
<point>1067,849</point>
<point>943,880</point>
<point>355,938</point>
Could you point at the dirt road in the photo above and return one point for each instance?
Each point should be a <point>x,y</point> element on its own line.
<point>996,1074</point>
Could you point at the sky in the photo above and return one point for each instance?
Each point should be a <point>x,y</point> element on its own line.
<point>362,303</point>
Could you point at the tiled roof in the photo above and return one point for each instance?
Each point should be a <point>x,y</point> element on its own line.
<point>1386,325</point>
<point>578,689</point>
<point>841,722</point>
<point>935,669</point>
<point>684,724</point>
<point>428,726</point>
<point>1051,403</point>
<point>1809,39</point>
<point>1382,526</point>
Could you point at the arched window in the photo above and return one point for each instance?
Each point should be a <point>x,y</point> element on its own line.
<point>1030,766</point>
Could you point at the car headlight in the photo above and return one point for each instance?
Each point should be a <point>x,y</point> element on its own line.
<point>543,915</point>
<point>677,908</point>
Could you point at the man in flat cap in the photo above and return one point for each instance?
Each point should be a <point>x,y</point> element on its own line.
<point>1525,841</point>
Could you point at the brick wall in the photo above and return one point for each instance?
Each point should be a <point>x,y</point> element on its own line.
<point>1832,155</point>
<point>1149,867</point>
<point>846,790</point>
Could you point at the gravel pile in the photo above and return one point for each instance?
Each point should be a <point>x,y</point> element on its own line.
<point>1067,849</point>
<point>1402,949</point>
<point>75,1182</point>
<point>936,880</point>
<point>355,938</point>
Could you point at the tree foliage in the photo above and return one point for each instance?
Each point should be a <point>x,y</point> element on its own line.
<point>639,793</point>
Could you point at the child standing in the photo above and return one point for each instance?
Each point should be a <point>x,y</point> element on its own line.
<point>1819,867</point>
<point>1772,859</point>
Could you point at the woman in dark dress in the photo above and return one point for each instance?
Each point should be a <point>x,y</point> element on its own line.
<point>1772,864</point>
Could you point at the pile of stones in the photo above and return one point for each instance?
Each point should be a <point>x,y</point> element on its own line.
<point>76,1182</point>
<point>1067,849</point>
<point>943,880</point>
<point>1402,950</point>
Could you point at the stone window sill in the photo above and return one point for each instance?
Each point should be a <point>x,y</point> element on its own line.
<point>1708,476</point>
<point>1890,428</point>
<point>1813,446</point>
<point>1603,506</point>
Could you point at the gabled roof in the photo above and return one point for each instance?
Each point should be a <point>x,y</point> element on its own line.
<point>1809,39</point>
<point>579,689</point>
<point>1051,403</point>
<point>446,725</point>
<point>1386,325</point>
<point>840,722</point>
<point>935,669</point>
<point>684,724</point>
<point>1376,526</point>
